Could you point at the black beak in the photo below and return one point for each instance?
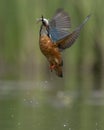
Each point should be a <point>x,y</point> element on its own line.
<point>40,19</point>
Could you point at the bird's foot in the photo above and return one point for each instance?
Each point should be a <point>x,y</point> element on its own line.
<point>52,67</point>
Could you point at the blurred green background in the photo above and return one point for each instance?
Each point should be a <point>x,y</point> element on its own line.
<point>31,97</point>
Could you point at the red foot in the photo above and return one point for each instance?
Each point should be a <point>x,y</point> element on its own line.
<point>52,67</point>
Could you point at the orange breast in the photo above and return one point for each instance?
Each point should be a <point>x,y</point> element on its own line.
<point>45,44</point>
<point>49,49</point>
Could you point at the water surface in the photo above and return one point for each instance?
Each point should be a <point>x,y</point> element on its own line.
<point>32,105</point>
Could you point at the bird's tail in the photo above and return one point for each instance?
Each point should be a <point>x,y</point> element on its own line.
<point>59,72</point>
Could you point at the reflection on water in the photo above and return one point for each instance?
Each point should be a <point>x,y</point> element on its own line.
<point>37,106</point>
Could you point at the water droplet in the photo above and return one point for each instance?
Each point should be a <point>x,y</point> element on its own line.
<point>12,116</point>
<point>24,100</point>
<point>18,123</point>
<point>31,101</point>
<point>46,82</point>
<point>65,125</point>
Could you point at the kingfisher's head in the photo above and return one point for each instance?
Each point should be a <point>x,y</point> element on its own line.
<point>44,21</point>
<point>44,29</point>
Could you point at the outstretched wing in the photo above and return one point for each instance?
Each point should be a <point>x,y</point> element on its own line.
<point>68,40</point>
<point>59,25</point>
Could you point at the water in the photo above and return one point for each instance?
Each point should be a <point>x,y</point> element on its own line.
<point>31,105</point>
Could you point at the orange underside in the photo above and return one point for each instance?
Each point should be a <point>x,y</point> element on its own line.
<point>52,53</point>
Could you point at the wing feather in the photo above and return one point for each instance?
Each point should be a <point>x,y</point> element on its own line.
<point>68,40</point>
<point>59,25</point>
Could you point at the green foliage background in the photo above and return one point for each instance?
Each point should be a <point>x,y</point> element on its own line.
<point>31,97</point>
<point>20,56</point>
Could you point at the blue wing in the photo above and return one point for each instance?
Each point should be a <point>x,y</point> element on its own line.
<point>68,40</point>
<point>57,34</point>
<point>59,25</point>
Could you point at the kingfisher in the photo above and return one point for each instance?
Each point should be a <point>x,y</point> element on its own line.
<point>55,37</point>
